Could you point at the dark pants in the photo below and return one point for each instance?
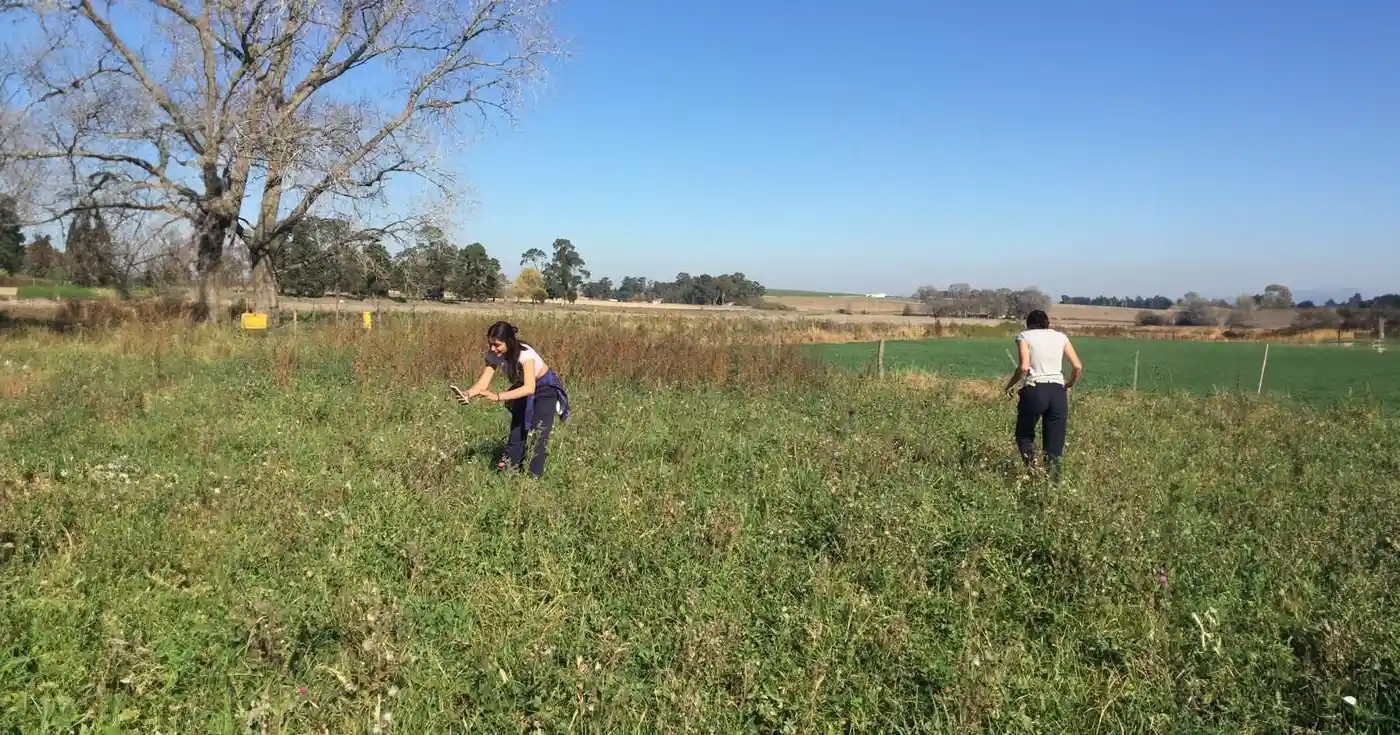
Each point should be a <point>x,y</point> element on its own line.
<point>1048,401</point>
<point>546,404</point>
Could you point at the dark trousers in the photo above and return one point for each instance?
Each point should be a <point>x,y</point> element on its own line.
<point>546,404</point>
<point>1050,402</point>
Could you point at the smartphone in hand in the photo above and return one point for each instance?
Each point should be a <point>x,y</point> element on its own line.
<point>460,395</point>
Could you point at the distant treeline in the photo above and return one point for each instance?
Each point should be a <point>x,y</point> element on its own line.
<point>1130,302</point>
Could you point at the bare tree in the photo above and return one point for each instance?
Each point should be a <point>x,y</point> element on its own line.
<point>139,239</point>
<point>200,110</point>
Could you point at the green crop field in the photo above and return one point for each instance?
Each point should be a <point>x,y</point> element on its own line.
<point>299,532</point>
<point>1308,373</point>
<point>57,291</point>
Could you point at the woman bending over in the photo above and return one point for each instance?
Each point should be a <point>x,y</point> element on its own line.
<point>535,397</point>
<point>1044,390</point>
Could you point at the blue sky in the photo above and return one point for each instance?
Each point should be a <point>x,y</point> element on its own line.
<point>1083,147</point>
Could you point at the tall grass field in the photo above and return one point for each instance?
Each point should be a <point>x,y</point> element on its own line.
<point>1313,373</point>
<point>299,532</point>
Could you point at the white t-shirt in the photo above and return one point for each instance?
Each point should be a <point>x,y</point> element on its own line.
<point>526,353</point>
<point>1047,348</point>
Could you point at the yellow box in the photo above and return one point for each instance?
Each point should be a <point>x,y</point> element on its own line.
<point>251,320</point>
<point>369,320</point>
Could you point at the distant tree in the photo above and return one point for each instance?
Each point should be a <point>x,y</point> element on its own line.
<point>1242,312</point>
<point>425,268</point>
<point>475,273</point>
<point>534,258</point>
<point>565,275</point>
<point>1331,304</point>
<point>43,260</point>
<point>1313,318</point>
<point>1025,301</point>
<point>632,288</point>
<point>599,290</point>
<point>704,289</point>
<point>320,257</point>
<point>1276,296</point>
<point>1196,312</point>
<point>929,295</point>
<point>11,238</point>
<point>168,268</point>
<point>1129,302</point>
<point>379,270</point>
<point>90,250</point>
<point>1153,319</point>
<point>1309,305</point>
<point>302,263</point>
<point>1239,318</point>
<point>528,284</point>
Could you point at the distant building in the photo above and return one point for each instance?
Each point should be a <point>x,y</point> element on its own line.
<point>876,295</point>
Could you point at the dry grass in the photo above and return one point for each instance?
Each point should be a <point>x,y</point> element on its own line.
<point>867,320</point>
<point>850,304</point>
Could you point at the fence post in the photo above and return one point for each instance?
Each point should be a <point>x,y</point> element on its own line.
<point>882,359</point>
<point>1262,368</point>
<point>1136,355</point>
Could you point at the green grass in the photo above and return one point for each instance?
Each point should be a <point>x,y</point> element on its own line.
<point>1314,374</point>
<point>214,533</point>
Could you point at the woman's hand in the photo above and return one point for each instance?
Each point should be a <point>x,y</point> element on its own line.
<point>491,396</point>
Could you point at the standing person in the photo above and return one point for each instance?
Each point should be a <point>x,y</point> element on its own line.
<point>535,397</point>
<point>1044,391</point>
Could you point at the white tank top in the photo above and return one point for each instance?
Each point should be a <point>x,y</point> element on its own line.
<point>528,353</point>
<point>1047,348</point>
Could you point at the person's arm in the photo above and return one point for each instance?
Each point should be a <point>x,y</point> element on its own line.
<point>527,389</point>
<point>1023,368</point>
<point>1076,367</point>
<point>482,383</point>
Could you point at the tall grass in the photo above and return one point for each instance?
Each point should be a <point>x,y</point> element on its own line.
<point>203,531</point>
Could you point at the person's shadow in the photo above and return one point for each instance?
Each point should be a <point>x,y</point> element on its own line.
<point>489,451</point>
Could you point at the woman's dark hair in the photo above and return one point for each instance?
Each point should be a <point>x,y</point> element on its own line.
<point>1037,319</point>
<point>504,332</point>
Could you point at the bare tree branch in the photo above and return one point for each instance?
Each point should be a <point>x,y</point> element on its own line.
<point>210,98</point>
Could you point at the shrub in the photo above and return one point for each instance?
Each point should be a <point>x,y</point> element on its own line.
<point>1197,313</point>
<point>1310,319</point>
<point>1149,318</point>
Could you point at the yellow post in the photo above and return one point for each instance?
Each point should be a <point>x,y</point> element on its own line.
<point>369,320</point>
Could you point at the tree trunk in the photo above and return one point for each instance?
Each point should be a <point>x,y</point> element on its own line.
<point>265,241</point>
<point>264,284</point>
<point>211,231</point>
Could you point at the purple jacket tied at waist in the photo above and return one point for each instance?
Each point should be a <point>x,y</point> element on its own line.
<point>549,380</point>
